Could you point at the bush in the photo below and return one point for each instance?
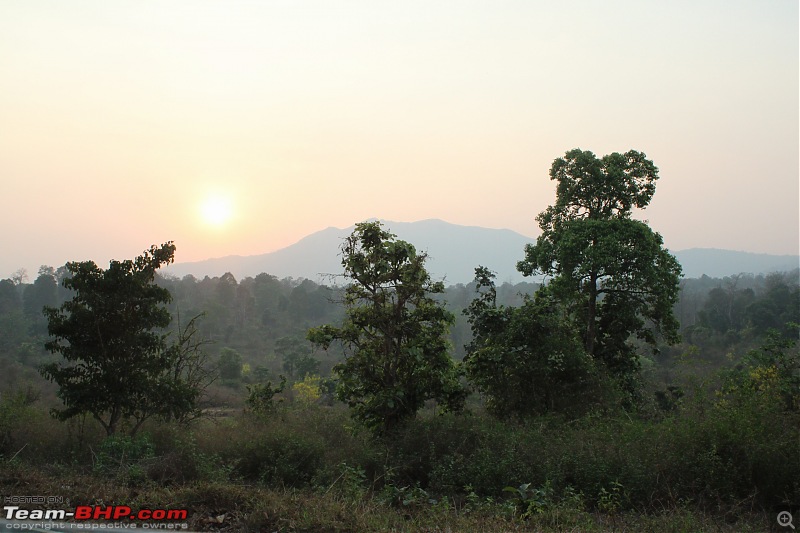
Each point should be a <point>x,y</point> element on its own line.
<point>715,458</point>
<point>261,397</point>
<point>15,410</point>
<point>281,459</point>
<point>124,457</point>
<point>179,458</point>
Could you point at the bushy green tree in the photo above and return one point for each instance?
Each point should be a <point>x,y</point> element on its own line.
<point>117,363</point>
<point>43,292</point>
<point>726,307</point>
<point>611,271</point>
<point>9,298</point>
<point>778,306</point>
<point>526,360</point>
<point>230,364</point>
<point>297,358</point>
<point>394,333</point>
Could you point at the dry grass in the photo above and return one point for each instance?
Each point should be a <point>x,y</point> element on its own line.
<point>234,507</point>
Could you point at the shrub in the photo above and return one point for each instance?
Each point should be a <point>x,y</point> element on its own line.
<point>308,391</point>
<point>280,459</point>
<point>124,457</point>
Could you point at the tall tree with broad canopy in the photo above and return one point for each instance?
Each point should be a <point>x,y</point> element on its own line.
<point>394,334</point>
<point>612,271</point>
<point>117,364</point>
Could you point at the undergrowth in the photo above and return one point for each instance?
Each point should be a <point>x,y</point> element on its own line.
<point>718,468</point>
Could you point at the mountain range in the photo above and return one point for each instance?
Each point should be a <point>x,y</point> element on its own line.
<point>454,251</point>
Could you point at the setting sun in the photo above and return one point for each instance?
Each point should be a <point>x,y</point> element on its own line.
<point>216,211</point>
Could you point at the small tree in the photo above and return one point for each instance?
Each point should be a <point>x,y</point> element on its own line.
<point>526,360</point>
<point>117,362</point>
<point>190,374</point>
<point>297,358</point>
<point>230,365</point>
<point>308,391</point>
<point>394,333</point>
<point>261,397</point>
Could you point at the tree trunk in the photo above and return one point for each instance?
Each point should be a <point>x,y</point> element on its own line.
<point>591,313</point>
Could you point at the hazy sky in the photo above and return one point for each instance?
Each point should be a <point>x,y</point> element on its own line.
<point>121,121</point>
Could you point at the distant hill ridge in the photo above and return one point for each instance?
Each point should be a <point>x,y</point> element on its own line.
<point>454,252</point>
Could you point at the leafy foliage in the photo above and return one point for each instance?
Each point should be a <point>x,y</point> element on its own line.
<point>308,391</point>
<point>230,364</point>
<point>297,359</point>
<point>394,332</point>
<point>189,374</point>
<point>525,360</point>
<point>117,363</point>
<point>15,411</point>
<point>732,307</point>
<point>769,374</point>
<point>121,456</point>
<point>261,396</point>
<point>42,293</point>
<point>612,272</point>
<point>529,500</point>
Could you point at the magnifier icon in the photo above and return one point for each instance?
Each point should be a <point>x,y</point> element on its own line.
<point>785,519</point>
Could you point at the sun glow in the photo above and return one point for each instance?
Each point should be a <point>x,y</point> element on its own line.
<point>216,211</point>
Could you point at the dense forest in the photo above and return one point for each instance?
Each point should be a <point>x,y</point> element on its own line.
<point>264,321</point>
<point>615,396</point>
